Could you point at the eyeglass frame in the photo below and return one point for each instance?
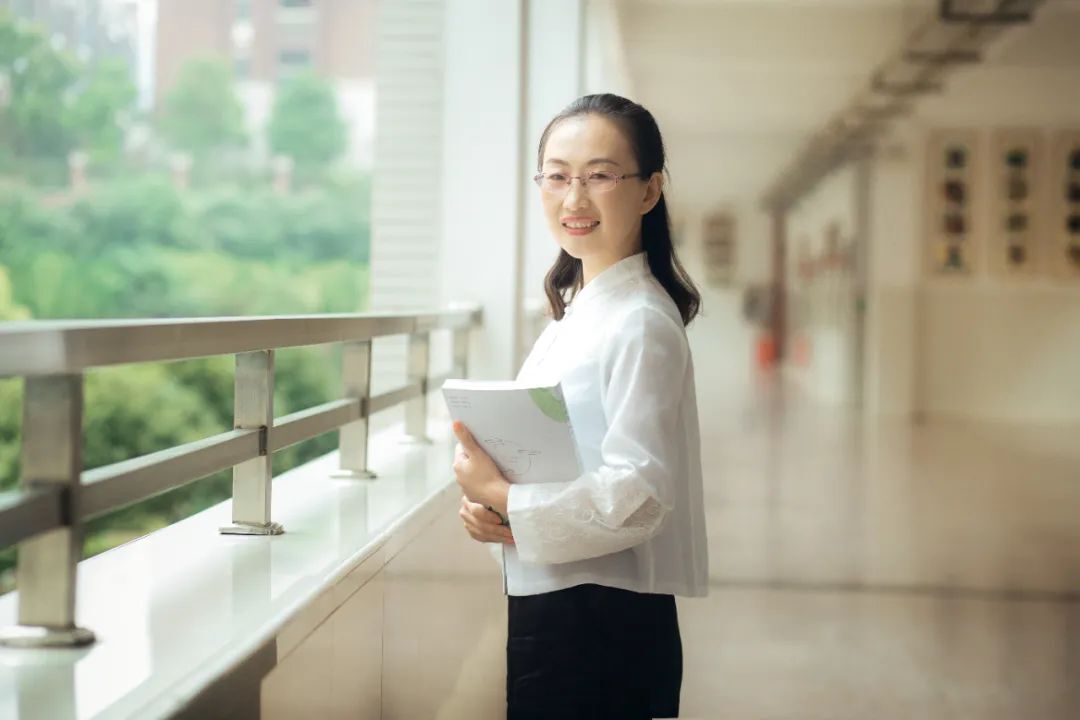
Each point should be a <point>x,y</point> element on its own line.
<point>539,177</point>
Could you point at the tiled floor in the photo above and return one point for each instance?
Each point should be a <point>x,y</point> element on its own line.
<point>882,570</point>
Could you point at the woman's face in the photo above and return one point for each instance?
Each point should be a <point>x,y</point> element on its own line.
<point>597,228</point>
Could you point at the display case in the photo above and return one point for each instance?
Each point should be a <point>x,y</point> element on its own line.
<point>952,200</point>
<point>1015,244</point>
<point>1064,218</point>
<point>718,235</point>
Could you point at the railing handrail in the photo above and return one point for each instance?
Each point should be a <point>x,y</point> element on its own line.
<point>47,347</point>
<point>56,496</point>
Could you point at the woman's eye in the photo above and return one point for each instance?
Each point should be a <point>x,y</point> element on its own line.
<point>602,176</point>
<point>556,177</point>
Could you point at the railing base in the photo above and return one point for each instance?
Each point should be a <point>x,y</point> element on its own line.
<point>242,528</point>
<point>344,474</point>
<point>37,636</point>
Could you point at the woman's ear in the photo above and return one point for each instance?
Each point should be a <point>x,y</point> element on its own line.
<point>652,192</point>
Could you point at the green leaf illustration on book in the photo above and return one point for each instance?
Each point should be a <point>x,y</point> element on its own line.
<point>550,404</point>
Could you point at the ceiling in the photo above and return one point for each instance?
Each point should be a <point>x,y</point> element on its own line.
<point>738,85</point>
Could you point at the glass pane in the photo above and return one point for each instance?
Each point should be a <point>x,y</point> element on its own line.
<point>155,175</point>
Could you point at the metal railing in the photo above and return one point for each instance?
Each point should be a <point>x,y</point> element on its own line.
<point>45,516</point>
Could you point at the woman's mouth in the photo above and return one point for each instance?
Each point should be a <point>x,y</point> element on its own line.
<point>579,226</point>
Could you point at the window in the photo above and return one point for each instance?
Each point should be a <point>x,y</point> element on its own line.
<point>293,60</point>
<point>210,225</point>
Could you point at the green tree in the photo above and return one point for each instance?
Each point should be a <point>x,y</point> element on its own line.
<point>139,214</point>
<point>35,79</point>
<point>8,309</point>
<point>305,123</point>
<point>50,103</point>
<point>11,394</point>
<point>202,113</point>
<point>97,112</point>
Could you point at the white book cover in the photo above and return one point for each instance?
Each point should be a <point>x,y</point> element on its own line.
<point>525,429</point>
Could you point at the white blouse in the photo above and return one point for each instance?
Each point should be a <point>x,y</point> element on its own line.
<point>635,518</point>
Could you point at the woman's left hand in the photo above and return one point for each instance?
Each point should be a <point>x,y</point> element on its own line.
<point>477,473</point>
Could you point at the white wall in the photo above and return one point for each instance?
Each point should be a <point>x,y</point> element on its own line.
<point>556,67</point>
<point>893,278</point>
<point>702,169</point>
<point>606,68</point>
<point>822,311</point>
<point>981,348</point>
<point>995,348</point>
<point>484,174</point>
<point>407,190</point>
<point>987,347</point>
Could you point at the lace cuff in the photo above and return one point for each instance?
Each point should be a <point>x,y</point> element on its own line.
<point>566,522</point>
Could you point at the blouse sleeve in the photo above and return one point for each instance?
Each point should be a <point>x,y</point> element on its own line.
<point>624,501</point>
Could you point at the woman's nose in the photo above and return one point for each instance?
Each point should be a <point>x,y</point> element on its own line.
<point>576,195</point>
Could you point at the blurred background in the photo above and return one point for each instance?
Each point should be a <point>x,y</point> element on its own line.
<point>880,200</point>
<point>180,159</point>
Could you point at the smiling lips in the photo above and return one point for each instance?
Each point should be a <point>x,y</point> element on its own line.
<point>579,225</point>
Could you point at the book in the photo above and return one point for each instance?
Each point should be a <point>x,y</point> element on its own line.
<point>525,429</point>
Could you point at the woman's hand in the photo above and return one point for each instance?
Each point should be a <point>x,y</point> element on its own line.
<point>484,525</point>
<point>477,473</point>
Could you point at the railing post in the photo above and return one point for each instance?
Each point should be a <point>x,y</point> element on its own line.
<point>254,410</point>
<point>461,352</point>
<point>353,438</point>
<point>419,358</point>
<point>48,563</point>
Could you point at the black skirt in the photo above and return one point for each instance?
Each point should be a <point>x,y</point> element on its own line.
<point>593,653</point>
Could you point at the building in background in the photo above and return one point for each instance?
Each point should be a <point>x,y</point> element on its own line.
<point>265,41</point>
<point>88,28</point>
<point>94,29</point>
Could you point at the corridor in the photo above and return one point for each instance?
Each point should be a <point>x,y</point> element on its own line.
<point>877,569</point>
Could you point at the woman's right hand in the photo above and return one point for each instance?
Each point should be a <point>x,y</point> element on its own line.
<point>483,525</point>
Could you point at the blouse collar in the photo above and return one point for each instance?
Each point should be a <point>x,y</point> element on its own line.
<point>633,267</point>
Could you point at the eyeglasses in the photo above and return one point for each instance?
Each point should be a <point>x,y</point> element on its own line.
<point>600,181</point>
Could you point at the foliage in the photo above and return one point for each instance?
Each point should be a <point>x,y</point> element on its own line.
<point>8,309</point>
<point>145,250</point>
<point>38,78</point>
<point>305,123</point>
<point>139,249</point>
<point>97,111</point>
<point>133,245</point>
<point>55,103</point>
<point>202,114</point>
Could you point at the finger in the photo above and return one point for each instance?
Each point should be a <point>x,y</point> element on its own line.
<point>465,437</point>
<point>481,535</point>
<point>494,533</point>
<point>485,516</point>
<point>484,532</point>
<point>477,509</point>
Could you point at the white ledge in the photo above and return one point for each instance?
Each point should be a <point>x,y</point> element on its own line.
<point>180,608</point>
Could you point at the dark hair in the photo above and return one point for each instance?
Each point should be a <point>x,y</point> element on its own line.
<point>648,147</point>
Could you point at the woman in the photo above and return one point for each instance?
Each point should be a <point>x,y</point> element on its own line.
<point>591,564</point>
